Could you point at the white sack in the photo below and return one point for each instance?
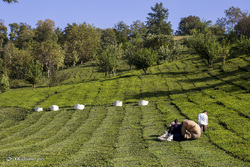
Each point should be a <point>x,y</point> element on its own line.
<point>79,106</point>
<point>118,103</point>
<point>54,108</point>
<point>143,103</point>
<point>38,109</point>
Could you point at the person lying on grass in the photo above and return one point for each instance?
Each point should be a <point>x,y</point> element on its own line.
<point>174,132</point>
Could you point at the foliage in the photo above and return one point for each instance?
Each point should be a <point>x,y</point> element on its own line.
<point>171,52</point>
<point>80,43</point>
<point>225,51</point>
<point>243,45</point>
<point>187,24</point>
<point>108,60</point>
<point>4,83</point>
<point>206,46</point>
<point>138,29</point>
<point>3,34</point>
<point>34,73</point>
<point>45,30</point>
<point>243,26</point>
<point>164,53</point>
<point>108,37</point>
<point>15,61</point>
<point>129,55</point>
<point>157,21</point>
<point>144,58</point>
<point>156,41</point>
<point>233,15</point>
<point>50,54</point>
<point>122,32</point>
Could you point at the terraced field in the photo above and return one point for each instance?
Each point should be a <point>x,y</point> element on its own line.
<point>104,135</point>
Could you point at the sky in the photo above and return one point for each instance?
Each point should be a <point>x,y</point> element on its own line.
<point>107,13</point>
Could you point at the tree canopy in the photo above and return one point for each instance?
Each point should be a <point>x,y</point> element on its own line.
<point>157,20</point>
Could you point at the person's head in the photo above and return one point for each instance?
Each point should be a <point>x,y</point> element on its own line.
<point>176,121</point>
<point>205,111</point>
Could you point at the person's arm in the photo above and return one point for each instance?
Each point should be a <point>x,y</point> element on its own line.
<point>199,119</point>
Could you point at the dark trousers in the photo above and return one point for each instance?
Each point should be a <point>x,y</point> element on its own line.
<point>203,128</point>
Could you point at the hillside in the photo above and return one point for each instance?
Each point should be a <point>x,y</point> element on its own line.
<point>104,135</point>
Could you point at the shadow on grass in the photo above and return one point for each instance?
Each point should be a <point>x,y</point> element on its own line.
<point>154,138</point>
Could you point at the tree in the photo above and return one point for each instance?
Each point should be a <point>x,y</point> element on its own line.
<point>108,60</point>
<point>122,32</point>
<point>34,73</point>
<point>176,51</point>
<point>157,21</point>
<point>108,37</point>
<point>144,58</point>
<point>15,60</point>
<point>14,28</point>
<point>171,52</point>
<point>25,35</point>
<point>129,54</point>
<point>243,45</point>
<point>4,82</point>
<point>187,24</point>
<point>225,50</point>
<point>11,1</point>
<point>243,26</point>
<point>3,34</point>
<point>206,45</point>
<point>156,41</point>
<point>138,29</point>
<point>4,79</point>
<point>80,43</point>
<point>50,54</point>
<point>164,53</point>
<point>45,30</point>
<point>233,15</point>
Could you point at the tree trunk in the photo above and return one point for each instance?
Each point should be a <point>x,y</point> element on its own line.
<point>34,85</point>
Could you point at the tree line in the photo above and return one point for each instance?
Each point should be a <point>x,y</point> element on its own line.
<point>31,53</point>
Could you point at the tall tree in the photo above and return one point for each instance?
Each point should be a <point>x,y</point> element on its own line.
<point>45,30</point>
<point>243,26</point>
<point>14,28</point>
<point>50,54</point>
<point>3,34</point>
<point>108,37</point>
<point>34,73</point>
<point>16,60</point>
<point>108,60</point>
<point>25,35</point>
<point>233,15</point>
<point>187,24</point>
<point>122,32</point>
<point>157,21</point>
<point>206,45</point>
<point>243,45</point>
<point>80,42</point>
<point>138,29</point>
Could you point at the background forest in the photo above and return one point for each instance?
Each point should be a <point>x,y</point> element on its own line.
<point>31,54</point>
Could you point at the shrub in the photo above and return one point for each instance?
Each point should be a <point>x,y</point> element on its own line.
<point>144,58</point>
<point>206,46</point>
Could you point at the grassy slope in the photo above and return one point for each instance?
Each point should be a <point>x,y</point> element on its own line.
<point>103,135</point>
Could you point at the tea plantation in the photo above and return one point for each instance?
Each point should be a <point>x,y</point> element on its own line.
<point>104,135</point>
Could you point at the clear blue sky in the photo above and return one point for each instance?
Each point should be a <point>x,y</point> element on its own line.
<point>107,13</point>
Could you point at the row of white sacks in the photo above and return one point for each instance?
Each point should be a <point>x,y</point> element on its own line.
<point>81,106</point>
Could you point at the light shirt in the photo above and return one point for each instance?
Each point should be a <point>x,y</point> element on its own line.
<point>202,119</point>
